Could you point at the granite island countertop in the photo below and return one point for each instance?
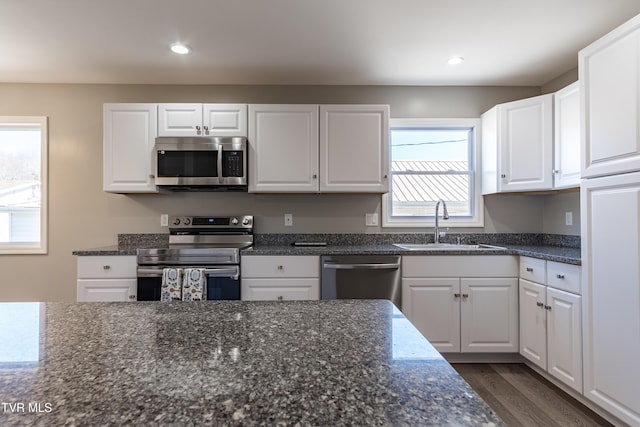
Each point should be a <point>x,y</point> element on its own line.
<point>318,363</point>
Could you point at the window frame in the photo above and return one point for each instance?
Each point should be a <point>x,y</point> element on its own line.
<point>477,204</point>
<point>41,247</point>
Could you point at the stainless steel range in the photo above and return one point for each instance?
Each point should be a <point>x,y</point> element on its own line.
<point>211,243</point>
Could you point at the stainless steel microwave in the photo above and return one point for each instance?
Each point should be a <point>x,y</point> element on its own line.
<point>201,163</point>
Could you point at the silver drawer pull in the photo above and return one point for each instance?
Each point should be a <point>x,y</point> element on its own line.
<point>106,267</point>
<point>530,270</point>
<point>456,295</point>
<point>465,295</point>
<point>539,304</point>
<point>560,276</point>
<point>280,267</point>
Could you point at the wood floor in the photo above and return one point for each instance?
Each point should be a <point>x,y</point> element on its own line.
<point>521,397</point>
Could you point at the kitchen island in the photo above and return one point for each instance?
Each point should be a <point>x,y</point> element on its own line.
<point>319,363</point>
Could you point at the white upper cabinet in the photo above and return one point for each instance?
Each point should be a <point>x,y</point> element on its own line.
<point>283,148</point>
<point>129,132</point>
<point>517,146</point>
<point>609,71</point>
<point>311,148</point>
<point>178,119</point>
<point>566,159</point>
<point>354,148</point>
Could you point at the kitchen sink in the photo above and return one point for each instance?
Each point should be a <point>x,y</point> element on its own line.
<point>445,247</point>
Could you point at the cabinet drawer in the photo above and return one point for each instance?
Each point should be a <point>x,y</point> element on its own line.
<point>280,289</point>
<point>565,277</point>
<point>533,269</point>
<point>107,267</point>
<point>280,266</point>
<point>91,290</point>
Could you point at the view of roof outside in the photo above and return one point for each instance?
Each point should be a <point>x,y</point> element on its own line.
<point>20,183</point>
<point>430,164</point>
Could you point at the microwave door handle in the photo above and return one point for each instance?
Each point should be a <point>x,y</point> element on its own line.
<point>220,178</point>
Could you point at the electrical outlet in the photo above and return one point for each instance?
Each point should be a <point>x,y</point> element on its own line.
<point>568,218</point>
<point>164,220</point>
<point>288,220</point>
<point>371,219</point>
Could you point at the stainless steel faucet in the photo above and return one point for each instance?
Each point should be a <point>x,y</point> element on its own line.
<point>445,215</point>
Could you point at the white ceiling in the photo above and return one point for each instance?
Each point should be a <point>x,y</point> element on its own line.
<point>355,42</point>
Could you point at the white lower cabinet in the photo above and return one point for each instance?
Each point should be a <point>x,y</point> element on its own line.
<point>287,277</point>
<point>550,321</point>
<point>107,278</point>
<point>463,303</point>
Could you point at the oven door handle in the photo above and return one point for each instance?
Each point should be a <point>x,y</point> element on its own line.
<point>233,272</point>
<point>220,178</point>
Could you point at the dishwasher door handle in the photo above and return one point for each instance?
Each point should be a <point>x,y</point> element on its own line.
<point>335,266</point>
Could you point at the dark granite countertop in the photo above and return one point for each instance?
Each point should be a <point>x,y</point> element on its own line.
<point>315,363</point>
<point>549,253</point>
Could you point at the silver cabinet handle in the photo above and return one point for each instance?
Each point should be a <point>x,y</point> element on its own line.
<point>502,175</point>
<point>106,267</point>
<point>456,295</point>
<point>280,298</point>
<point>547,307</point>
<point>539,304</point>
<point>132,297</point>
<point>530,270</point>
<point>560,276</point>
<point>315,176</point>
<point>206,129</point>
<point>280,267</point>
<point>465,295</point>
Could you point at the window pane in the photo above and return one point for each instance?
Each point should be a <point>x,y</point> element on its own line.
<point>430,145</point>
<point>430,163</point>
<point>20,183</point>
<point>417,194</point>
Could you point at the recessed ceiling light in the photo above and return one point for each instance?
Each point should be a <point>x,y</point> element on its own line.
<point>455,60</point>
<point>180,49</point>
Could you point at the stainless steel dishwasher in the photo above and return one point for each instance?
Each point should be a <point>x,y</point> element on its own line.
<point>362,277</point>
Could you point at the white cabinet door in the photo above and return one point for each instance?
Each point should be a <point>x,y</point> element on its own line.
<point>566,159</point>
<point>283,148</point>
<point>533,322</point>
<point>354,148</point>
<point>610,208</point>
<point>224,119</point>
<point>103,290</point>
<point>489,315</point>
<point>526,144</point>
<point>280,289</point>
<point>608,73</point>
<point>129,132</point>
<point>433,306</point>
<point>564,337</point>
<point>180,120</point>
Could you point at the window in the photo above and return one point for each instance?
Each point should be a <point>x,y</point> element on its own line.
<point>23,185</point>
<point>433,159</point>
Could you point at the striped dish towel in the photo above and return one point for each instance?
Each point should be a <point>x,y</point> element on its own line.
<point>171,288</point>
<point>194,285</point>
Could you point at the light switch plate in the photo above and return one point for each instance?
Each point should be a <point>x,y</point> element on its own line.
<point>288,220</point>
<point>568,216</point>
<point>164,220</point>
<point>371,219</point>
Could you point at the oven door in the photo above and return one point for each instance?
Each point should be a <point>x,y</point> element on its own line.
<point>223,282</point>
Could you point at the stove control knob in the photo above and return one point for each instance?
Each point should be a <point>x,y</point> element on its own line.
<point>187,221</point>
<point>176,221</point>
<point>245,221</point>
<point>234,221</point>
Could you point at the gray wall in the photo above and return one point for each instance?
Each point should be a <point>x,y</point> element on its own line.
<point>82,216</point>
